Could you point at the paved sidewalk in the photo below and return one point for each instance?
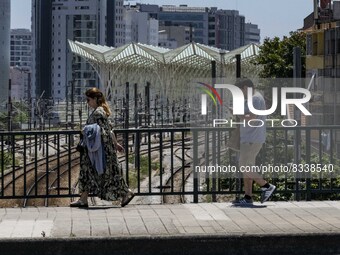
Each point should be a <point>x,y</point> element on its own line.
<point>172,221</point>
<point>176,219</point>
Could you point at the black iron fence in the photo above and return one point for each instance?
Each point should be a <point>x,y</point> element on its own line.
<point>194,164</point>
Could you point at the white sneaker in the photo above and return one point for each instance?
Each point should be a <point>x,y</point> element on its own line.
<point>267,192</point>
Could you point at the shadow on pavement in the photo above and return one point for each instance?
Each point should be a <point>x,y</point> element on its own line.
<point>249,206</point>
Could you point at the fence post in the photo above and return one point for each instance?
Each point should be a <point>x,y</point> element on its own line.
<point>238,174</point>
<point>297,117</point>
<point>195,163</point>
<point>308,158</point>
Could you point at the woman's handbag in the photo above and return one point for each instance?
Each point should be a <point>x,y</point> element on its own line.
<point>81,145</point>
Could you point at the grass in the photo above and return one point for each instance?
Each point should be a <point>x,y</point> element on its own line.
<point>144,170</point>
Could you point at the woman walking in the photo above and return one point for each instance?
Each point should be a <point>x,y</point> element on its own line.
<point>99,168</point>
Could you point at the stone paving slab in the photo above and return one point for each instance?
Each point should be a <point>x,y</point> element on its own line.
<point>200,219</point>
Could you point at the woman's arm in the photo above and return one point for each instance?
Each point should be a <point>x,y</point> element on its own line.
<point>104,123</point>
<point>118,147</point>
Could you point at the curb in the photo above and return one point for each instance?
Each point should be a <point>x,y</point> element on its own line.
<point>195,244</point>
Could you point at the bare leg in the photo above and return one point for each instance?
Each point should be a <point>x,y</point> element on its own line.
<point>248,186</point>
<point>248,182</point>
<point>248,154</point>
<point>256,177</point>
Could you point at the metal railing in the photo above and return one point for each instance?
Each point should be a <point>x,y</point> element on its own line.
<point>168,162</point>
<point>33,163</point>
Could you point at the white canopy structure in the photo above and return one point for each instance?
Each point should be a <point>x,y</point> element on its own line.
<point>165,68</point>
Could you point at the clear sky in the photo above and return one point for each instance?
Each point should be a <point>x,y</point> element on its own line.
<point>274,17</point>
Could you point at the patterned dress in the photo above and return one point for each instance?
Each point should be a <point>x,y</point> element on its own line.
<point>110,185</point>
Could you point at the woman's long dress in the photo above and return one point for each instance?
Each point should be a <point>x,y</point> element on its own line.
<point>110,185</point>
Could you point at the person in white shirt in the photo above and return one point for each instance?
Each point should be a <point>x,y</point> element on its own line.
<point>251,140</point>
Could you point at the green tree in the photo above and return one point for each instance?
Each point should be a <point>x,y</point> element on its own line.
<point>276,55</point>
<point>276,58</point>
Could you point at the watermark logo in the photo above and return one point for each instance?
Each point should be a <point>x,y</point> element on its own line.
<point>211,91</point>
<point>240,102</point>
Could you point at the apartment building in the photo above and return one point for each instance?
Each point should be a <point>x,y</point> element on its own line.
<point>56,72</point>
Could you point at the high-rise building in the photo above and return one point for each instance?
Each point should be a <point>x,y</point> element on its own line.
<point>57,73</point>
<point>322,62</point>
<point>140,27</point>
<point>20,81</point>
<point>115,23</point>
<point>252,33</point>
<point>21,48</point>
<point>5,23</point>
<point>224,29</point>
<point>41,44</point>
<point>21,63</point>
<point>195,18</point>
<point>229,29</point>
<point>174,36</point>
<point>322,65</point>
